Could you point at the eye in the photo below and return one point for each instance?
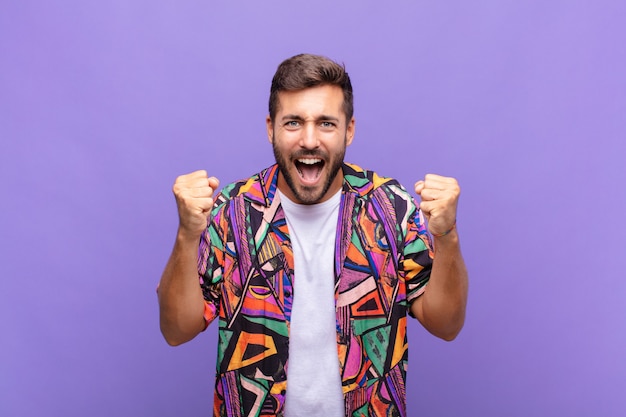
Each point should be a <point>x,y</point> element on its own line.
<point>327,125</point>
<point>291,124</point>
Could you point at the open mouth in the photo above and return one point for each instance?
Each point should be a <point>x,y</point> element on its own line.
<point>309,169</point>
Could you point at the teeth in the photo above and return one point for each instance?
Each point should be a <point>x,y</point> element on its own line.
<point>309,161</point>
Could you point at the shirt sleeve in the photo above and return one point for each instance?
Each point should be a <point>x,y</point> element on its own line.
<point>417,257</point>
<point>210,264</point>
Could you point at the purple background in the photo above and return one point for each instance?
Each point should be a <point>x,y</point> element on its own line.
<point>103,104</point>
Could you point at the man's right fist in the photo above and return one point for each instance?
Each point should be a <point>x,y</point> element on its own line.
<point>194,198</point>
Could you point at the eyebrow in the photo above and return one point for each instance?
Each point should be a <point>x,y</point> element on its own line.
<point>323,117</point>
<point>291,117</point>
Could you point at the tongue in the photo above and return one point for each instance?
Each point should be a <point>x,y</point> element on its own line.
<point>309,172</point>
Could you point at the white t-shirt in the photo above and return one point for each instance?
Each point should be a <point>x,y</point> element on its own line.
<point>313,376</point>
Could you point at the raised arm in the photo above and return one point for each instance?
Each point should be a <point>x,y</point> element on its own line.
<point>441,309</point>
<point>181,304</point>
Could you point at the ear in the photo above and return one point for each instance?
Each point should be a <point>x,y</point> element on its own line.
<point>350,131</point>
<point>270,129</point>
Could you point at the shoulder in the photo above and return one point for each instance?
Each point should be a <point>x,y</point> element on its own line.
<point>379,193</point>
<point>365,182</point>
<point>259,188</point>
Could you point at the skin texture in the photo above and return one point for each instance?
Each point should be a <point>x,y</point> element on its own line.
<point>441,309</point>
<point>181,304</point>
<point>310,125</point>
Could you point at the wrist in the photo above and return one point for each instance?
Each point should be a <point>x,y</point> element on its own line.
<point>446,241</point>
<point>185,236</point>
<point>447,232</point>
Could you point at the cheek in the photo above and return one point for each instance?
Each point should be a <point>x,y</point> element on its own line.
<point>281,152</point>
<point>338,147</point>
<point>285,139</point>
<point>281,147</point>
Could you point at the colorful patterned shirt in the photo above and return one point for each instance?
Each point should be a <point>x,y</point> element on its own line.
<point>383,257</point>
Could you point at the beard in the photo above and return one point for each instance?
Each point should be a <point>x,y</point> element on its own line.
<point>309,194</point>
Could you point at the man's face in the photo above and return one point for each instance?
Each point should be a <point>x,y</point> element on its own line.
<point>309,136</point>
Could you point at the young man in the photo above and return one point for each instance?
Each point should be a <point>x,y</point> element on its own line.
<point>312,265</point>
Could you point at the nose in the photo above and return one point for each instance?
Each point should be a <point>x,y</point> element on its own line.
<point>309,138</point>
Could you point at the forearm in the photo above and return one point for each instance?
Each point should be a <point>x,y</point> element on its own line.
<point>441,309</point>
<point>181,304</point>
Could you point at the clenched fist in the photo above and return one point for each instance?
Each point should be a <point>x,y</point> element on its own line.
<point>440,196</point>
<point>194,198</point>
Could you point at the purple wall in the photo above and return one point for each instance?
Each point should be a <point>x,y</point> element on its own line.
<point>103,104</point>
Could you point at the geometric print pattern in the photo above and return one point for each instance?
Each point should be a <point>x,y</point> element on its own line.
<point>383,258</point>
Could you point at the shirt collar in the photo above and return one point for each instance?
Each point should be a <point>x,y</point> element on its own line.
<point>262,188</point>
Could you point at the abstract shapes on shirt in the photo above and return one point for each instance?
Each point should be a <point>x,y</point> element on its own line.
<point>382,258</point>
<point>253,393</point>
<point>368,307</point>
<point>251,348</point>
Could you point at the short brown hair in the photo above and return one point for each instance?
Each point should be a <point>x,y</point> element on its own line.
<point>305,71</point>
